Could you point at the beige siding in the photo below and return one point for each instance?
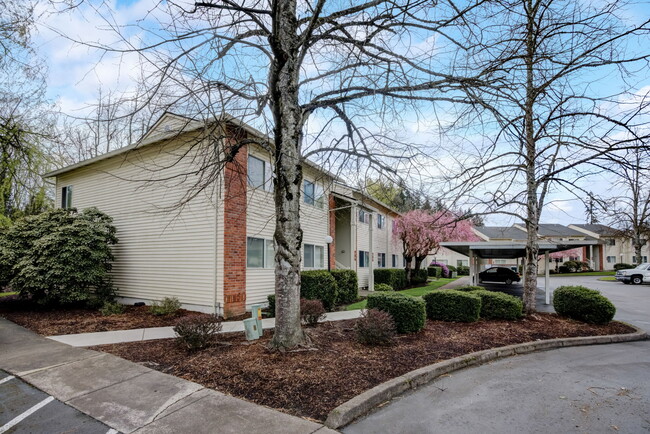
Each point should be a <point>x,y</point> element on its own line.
<point>161,252</point>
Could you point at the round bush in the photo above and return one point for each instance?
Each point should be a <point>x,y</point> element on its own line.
<point>583,304</point>
<point>319,285</point>
<point>395,277</point>
<point>497,305</point>
<point>435,272</point>
<point>408,312</point>
<point>375,327</point>
<point>623,266</point>
<point>446,270</point>
<point>419,276</point>
<point>383,287</point>
<point>452,305</point>
<point>347,286</point>
<point>469,288</point>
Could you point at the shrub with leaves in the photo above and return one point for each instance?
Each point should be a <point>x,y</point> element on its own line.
<point>497,305</point>
<point>375,327</point>
<point>408,312</point>
<point>469,288</point>
<point>435,272</point>
<point>395,277</point>
<point>319,285</point>
<point>583,304</point>
<point>446,270</point>
<point>59,256</point>
<point>382,287</point>
<point>622,266</point>
<point>347,286</point>
<point>451,305</point>
<point>311,311</point>
<point>420,276</point>
<point>110,308</point>
<point>197,332</point>
<point>168,306</point>
<point>271,299</point>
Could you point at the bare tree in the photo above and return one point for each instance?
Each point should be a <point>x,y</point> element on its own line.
<point>553,108</point>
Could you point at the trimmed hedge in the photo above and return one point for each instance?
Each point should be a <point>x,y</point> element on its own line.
<point>435,272</point>
<point>347,286</point>
<point>462,270</point>
<point>583,304</point>
<point>395,277</point>
<point>271,299</point>
<point>623,266</point>
<point>408,312</point>
<point>382,287</point>
<point>319,285</point>
<point>451,305</point>
<point>497,305</point>
<point>419,276</point>
<point>469,288</point>
<point>451,269</point>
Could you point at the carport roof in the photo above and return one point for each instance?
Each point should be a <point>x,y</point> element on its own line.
<point>510,249</point>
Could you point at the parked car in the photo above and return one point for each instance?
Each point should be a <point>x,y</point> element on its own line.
<point>635,276</point>
<point>499,274</point>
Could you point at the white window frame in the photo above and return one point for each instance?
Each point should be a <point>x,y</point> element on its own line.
<point>462,262</point>
<point>364,216</point>
<point>394,261</point>
<point>316,198</point>
<point>381,260</point>
<point>267,258</point>
<point>313,248</point>
<point>267,174</point>
<point>381,221</point>
<point>364,259</point>
<point>66,197</point>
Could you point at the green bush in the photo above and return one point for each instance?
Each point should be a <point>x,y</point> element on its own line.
<point>409,313</point>
<point>623,266</point>
<point>462,270</point>
<point>196,332</point>
<point>452,269</point>
<point>319,285</point>
<point>347,286</point>
<point>395,277</point>
<point>419,277</point>
<point>435,272</point>
<point>451,305</point>
<point>375,327</point>
<point>59,256</point>
<point>271,299</point>
<point>168,306</point>
<point>563,269</point>
<point>469,288</point>
<point>497,305</point>
<point>110,308</point>
<point>583,304</point>
<point>383,287</point>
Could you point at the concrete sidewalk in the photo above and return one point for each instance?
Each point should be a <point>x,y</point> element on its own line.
<point>135,335</point>
<point>129,397</point>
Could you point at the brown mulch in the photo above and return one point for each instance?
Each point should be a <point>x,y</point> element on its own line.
<point>50,322</point>
<point>312,382</point>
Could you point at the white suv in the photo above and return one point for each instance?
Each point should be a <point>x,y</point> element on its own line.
<point>636,276</point>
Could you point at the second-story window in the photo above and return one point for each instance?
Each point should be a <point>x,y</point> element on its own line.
<point>260,174</point>
<point>364,216</point>
<point>381,221</point>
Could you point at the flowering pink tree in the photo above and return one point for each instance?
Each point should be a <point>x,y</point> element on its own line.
<point>556,256</point>
<point>421,233</point>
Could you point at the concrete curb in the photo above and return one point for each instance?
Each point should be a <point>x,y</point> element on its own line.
<point>368,400</point>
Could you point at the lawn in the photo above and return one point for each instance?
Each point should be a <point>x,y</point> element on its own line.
<point>608,279</point>
<point>414,292</point>
<point>7,294</point>
<point>586,273</point>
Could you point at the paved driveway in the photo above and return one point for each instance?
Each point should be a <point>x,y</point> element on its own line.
<point>597,389</point>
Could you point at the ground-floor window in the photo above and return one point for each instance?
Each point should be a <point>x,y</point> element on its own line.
<point>259,253</point>
<point>462,263</point>
<point>500,261</point>
<point>394,261</point>
<point>643,259</point>
<point>364,259</point>
<point>381,260</point>
<point>611,259</point>
<point>313,256</point>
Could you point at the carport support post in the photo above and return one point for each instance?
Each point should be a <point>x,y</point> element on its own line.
<point>547,275</point>
<point>471,267</point>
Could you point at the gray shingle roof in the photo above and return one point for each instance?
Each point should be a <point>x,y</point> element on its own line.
<point>502,232</point>
<point>599,229</point>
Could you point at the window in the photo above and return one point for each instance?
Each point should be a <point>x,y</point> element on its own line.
<point>643,259</point>
<point>364,216</point>
<point>66,197</point>
<point>381,221</point>
<point>313,256</point>
<point>259,174</point>
<point>381,260</point>
<point>364,259</point>
<point>394,261</point>
<point>259,253</point>
<point>500,261</point>
<point>574,258</point>
<point>442,261</point>
<point>610,241</point>
<point>611,259</point>
<point>312,194</point>
<point>462,262</point>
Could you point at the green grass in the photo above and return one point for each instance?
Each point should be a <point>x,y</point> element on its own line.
<point>608,279</point>
<point>587,273</point>
<point>6,294</point>
<point>413,292</point>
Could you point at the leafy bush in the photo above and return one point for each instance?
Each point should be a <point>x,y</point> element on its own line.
<point>383,287</point>
<point>462,270</point>
<point>375,327</point>
<point>110,308</point>
<point>319,285</point>
<point>347,286</point>
<point>419,277</point>
<point>469,288</point>
<point>563,269</point>
<point>446,271</point>
<point>451,305</point>
<point>395,277</point>
<point>435,272</point>
<point>271,299</point>
<point>451,269</point>
<point>59,256</point>
<point>497,305</point>
<point>311,311</point>
<point>623,266</point>
<point>168,306</point>
<point>583,304</point>
<point>196,332</point>
<point>408,312</point>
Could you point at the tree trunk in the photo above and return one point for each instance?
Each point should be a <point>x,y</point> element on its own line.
<point>408,269</point>
<point>287,114</point>
<point>638,245</point>
<point>418,262</point>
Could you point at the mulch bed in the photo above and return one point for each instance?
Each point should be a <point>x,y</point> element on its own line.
<point>310,383</point>
<point>50,322</point>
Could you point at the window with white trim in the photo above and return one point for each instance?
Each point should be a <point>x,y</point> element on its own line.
<point>312,193</point>
<point>313,256</point>
<point>611,259</point>
<point>462,262</point>
<point>364,216</point>
<point>259,253</point>
<point>394,261</point>
<point>364,259</point>
<point>381,221</point>
<point>260,174</point>
<point>643,259</point>
<point>66,197</point>
<point>381,260</point>
<point>610,241</point>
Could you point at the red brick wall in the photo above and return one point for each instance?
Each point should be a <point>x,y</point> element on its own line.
<point>332,217</point>
<point>234,272</point>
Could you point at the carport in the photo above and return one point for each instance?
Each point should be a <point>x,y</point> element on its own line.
<point>476,251</point>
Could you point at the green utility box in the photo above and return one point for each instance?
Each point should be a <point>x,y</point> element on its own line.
<point>251,329</point>
<point>256,314</point>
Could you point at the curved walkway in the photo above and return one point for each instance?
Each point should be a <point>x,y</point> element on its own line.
<point>583,389</point>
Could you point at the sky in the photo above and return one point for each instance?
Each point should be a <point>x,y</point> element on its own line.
<point>77,73</point>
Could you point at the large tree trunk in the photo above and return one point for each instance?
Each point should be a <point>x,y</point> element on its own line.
<point>638,245</point>
<point>283,82</point>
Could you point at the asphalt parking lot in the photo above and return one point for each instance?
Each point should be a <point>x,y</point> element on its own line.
<point>25,409</point>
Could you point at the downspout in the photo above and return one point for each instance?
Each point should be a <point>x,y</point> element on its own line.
<point>371,272</point>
